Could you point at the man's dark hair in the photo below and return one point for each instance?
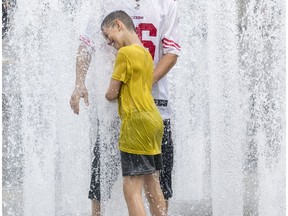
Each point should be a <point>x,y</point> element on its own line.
<point>122,16</point>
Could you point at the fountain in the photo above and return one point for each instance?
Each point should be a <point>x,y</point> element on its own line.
<point>228,95</point>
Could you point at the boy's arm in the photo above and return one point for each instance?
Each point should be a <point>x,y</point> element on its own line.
<point>113,90</point>
<point>83,60</point>
<point>164,65</point>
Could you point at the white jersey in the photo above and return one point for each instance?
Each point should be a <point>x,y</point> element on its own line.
<point>156,23</point>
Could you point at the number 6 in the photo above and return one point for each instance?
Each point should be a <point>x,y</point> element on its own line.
<point>152,32</point>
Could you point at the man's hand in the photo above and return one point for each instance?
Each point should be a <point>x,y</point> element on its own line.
<point>80,92</point>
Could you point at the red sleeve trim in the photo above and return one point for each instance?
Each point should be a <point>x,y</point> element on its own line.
<point>87,41</point>
<point>169,43</point>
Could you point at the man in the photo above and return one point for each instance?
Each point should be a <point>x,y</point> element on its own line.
<point>157,27</point>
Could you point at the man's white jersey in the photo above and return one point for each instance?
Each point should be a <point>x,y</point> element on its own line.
<point>156,23</point>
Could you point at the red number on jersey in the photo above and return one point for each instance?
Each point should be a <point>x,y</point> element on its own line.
<point>152,32</point>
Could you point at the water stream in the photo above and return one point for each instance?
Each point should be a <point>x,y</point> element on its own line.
<point>228,95</point>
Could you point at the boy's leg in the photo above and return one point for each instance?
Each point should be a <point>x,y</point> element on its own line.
<point>132,188</point>
<point>154,195</point>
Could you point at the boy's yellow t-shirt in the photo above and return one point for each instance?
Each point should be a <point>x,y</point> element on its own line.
<point>142,126</point>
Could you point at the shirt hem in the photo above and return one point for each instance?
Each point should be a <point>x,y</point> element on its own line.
<point>139,152</point>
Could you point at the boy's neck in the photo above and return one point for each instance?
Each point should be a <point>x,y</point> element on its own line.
<point>132,38</point>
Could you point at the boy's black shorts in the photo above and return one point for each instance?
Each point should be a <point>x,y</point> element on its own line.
<point>135,164</point>
<point>165,173</point>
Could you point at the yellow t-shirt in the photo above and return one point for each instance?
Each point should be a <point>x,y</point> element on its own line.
<point>142,126</point>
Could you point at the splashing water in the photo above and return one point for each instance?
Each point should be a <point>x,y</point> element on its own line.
<point>227,91</point>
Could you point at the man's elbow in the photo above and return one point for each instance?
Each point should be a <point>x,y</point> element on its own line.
<point>174,59</point>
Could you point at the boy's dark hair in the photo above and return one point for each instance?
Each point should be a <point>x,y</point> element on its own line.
<point>122,16</point>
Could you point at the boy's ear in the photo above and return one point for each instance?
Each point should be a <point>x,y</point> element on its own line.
<point>119,24</point>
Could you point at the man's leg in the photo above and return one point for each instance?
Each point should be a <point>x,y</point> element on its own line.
<point>166,185</point>
<point>154,195</point>
<point>110,165</point>
<point>96,208</point>
<point>132,188</point>
<point>94,192</point>
<point>167,156</point>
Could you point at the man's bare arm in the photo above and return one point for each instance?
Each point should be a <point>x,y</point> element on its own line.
<point>83,60</point>
<point>166,62</point>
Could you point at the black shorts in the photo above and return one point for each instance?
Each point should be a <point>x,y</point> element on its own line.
<point>167,157</point>
<point>135,164</point>
<point>110,163</point>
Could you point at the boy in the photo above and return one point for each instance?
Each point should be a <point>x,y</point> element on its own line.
<point>142,126</point>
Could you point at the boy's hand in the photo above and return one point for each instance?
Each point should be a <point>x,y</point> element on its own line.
<point>75,98</point>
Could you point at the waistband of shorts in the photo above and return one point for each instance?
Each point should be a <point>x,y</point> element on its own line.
<point>161,103</point>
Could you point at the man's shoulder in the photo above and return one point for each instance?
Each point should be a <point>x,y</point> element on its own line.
<point>167,2</point>
<point>165,5</point>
